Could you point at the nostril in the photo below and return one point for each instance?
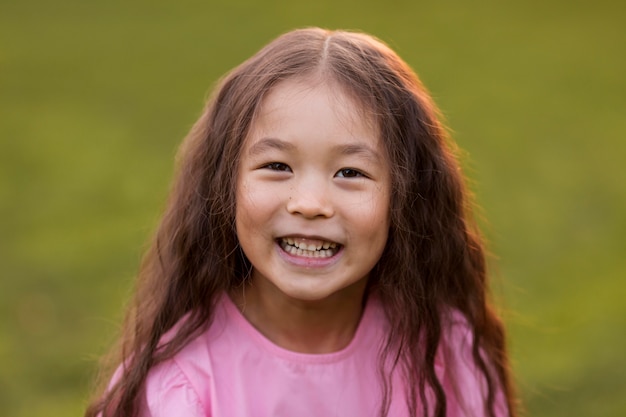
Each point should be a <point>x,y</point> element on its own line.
<point>310,201</point>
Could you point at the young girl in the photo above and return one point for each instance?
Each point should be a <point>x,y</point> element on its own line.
<point>317,256</point>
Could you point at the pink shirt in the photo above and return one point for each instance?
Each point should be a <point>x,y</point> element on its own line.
<point>232,370</point>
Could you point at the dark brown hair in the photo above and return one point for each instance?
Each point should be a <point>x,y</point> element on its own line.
<point>433,262</point>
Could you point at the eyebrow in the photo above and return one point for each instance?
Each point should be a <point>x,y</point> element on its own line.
<point>348,149</point>
<point>358,149</point>
<point>270,143</point>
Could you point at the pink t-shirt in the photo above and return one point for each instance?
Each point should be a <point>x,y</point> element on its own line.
<point>232,370</point>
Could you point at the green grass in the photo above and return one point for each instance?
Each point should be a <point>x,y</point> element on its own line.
<point>95,98</point>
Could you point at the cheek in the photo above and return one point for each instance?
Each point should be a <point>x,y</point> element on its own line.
<point>243,205</point>
<point>371,221</point>
<point>375,210</point>
<point>251,201</point>
<point>254,209</point>
<point>379,221</point>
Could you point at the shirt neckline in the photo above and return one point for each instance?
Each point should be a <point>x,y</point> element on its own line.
<point>363,332</point>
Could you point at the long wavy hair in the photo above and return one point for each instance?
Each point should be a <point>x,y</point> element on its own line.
<point>434,259</point>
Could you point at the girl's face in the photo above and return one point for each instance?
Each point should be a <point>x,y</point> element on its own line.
<point>313,193</point>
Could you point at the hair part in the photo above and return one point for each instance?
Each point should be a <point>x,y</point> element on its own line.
<point>434,259</point>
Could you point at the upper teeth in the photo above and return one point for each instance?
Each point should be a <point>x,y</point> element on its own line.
<point>310,246</point>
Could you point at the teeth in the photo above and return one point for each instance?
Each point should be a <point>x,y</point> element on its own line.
<point>319,250</point>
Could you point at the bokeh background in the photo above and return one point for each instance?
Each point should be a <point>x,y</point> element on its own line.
<point>96,96</point>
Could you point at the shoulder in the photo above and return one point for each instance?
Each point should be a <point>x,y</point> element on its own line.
<point>464,382</point>
<point>169,392</point>
<point>181,385</point>
<point>457,338</point>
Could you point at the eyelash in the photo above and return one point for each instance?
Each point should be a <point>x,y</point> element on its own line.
<point>277,166</point>
<point>351,173</point>
<point>342,173</point>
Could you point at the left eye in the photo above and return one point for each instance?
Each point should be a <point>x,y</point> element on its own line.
<point>277,166</point>
<point>349,173</point>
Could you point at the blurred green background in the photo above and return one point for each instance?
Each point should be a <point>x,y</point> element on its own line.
<point>96,96</point>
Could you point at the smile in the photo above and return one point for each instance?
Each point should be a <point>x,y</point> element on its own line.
<point>309,248</point>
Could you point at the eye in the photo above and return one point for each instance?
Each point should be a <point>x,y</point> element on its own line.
<point>349,173</point>
<point>277,166</point>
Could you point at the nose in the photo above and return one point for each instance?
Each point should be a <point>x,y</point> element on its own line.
<point>310,198</point>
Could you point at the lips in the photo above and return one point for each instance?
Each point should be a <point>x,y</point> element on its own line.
<point>309,248</point>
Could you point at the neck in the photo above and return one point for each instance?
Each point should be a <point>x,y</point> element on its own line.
<point>320,326</point>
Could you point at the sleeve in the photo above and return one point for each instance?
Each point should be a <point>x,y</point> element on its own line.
<point>169,393</point>
<point>463,382</point>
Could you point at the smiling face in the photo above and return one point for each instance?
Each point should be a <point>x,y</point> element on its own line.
<point>313,193</point>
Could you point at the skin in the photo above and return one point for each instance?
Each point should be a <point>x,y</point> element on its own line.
<point>314,175</point>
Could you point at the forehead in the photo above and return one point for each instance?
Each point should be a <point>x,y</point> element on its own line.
<point>308,98</point>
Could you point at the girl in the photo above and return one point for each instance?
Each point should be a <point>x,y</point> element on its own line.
<point>317,256</point>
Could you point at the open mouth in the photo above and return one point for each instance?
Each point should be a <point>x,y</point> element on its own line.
<point>308,247</point>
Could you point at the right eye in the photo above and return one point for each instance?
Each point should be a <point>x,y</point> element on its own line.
<point>277,166</point>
